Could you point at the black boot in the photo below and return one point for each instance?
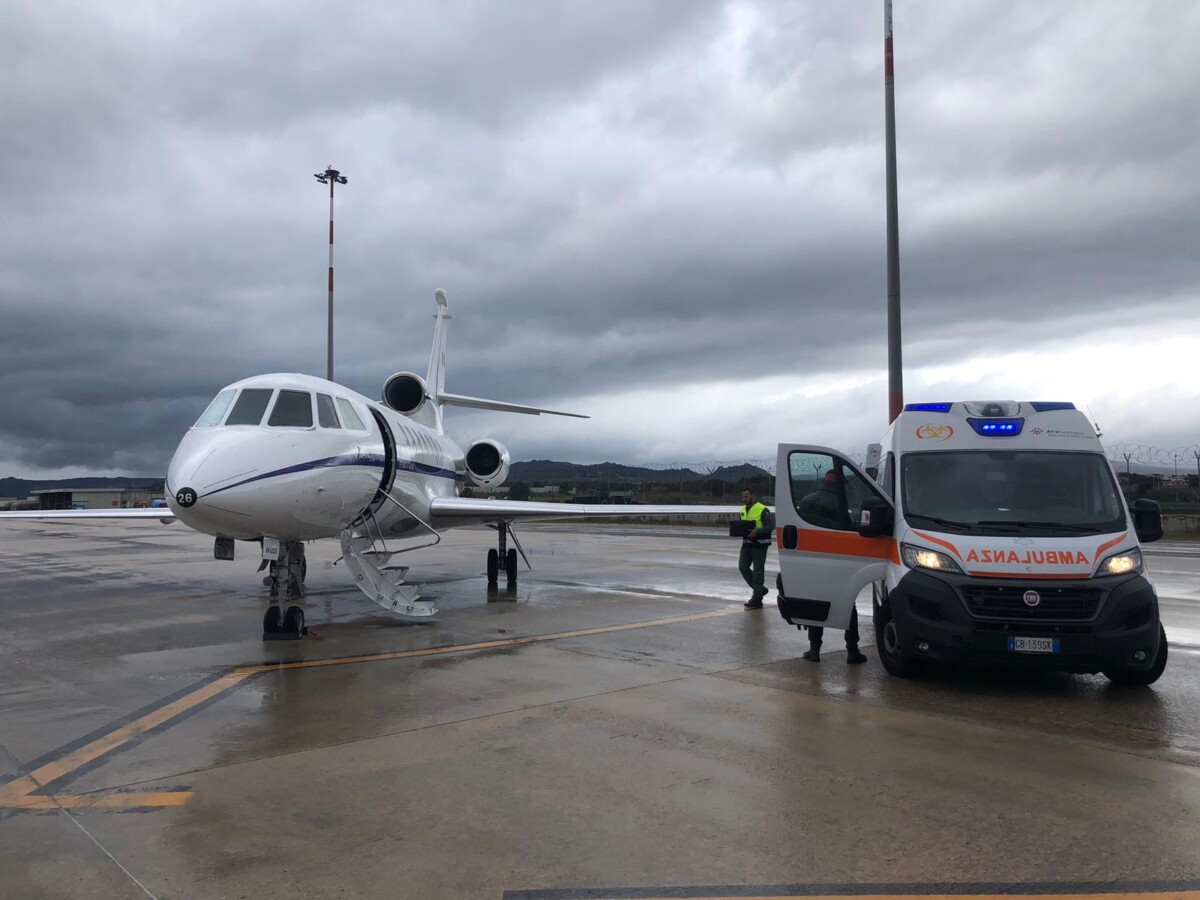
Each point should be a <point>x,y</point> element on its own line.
<point>854,656</point>
<point>813,653</point>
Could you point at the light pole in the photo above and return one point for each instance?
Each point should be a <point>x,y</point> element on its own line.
<point>331,177</point>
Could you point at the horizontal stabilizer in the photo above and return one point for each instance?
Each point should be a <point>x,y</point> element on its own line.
<point>498,406</point>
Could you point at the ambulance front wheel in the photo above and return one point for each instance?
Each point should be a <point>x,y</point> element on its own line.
<point>887,641</point>
<point>1142,677</point>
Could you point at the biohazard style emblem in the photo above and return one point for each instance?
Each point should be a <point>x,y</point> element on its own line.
<point>935,432</point>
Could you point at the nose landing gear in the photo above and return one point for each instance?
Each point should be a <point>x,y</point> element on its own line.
<point>285,576</point>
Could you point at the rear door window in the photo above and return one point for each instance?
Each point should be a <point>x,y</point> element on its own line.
<point>250,406</point>
<point>293,409</point>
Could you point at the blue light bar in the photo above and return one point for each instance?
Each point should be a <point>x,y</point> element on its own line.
<point>927,407</point>
<point>1045,406</point>
<point>997,427</point>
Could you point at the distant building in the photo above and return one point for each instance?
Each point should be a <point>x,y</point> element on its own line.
<point>95,498</point>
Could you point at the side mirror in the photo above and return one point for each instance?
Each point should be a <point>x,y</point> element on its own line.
<point>876,518</point>
<point>1147,521</point>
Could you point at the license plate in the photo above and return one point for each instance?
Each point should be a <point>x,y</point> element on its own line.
<point>1033,644</point>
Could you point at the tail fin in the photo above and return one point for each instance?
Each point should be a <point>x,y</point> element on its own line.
<point>435,378</point>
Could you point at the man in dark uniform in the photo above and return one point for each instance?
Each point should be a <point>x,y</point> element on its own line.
<point>822,507</point>
<point>752,562</point>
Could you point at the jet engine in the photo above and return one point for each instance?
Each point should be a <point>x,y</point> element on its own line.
<point>487,463</point>
<point>405,393</point>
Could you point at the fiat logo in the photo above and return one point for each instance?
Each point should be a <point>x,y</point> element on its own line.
<point>1032,598</point>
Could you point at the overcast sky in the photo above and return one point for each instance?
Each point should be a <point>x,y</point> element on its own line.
<point>667,215</point>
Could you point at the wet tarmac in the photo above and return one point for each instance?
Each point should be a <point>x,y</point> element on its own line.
<point>617,721</point>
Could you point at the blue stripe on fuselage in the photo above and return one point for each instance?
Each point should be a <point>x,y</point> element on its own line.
<point>348,459</point>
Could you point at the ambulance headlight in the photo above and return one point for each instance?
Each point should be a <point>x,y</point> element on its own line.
<point>923,558</point>
<point>1121,563</point>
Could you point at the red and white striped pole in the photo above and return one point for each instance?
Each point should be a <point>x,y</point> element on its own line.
<point>330,176</point>
<point>895,366</point>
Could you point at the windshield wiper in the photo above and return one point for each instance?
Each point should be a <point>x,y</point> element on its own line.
<point>951,522</point>
<point>1086,529</point>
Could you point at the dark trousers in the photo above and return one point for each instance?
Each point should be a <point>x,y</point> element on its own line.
<point>816,632</point>
<point>752,563</point>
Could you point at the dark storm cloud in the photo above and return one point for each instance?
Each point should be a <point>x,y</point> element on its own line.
<point>617,196</point>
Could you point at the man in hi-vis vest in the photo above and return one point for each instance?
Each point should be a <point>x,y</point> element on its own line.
<point>752,562</point>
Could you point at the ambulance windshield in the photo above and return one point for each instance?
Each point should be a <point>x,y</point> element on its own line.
<point>1011,491</point>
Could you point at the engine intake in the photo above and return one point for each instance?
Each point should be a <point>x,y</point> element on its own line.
<point>406,393</point>
<point>487,463</point>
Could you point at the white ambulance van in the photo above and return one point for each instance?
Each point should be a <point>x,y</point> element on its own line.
<point>991,531</point>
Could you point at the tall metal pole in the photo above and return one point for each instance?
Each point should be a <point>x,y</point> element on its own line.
<point>895,366</point>
<point>330,176</point>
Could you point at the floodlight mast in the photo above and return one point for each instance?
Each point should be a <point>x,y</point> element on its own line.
<point>895,367</point>
<point>331,177</point>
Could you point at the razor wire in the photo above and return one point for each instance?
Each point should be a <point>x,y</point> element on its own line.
<point>1186,457</point>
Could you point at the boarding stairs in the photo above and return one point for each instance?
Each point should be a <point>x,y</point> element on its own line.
<point>368,557</point>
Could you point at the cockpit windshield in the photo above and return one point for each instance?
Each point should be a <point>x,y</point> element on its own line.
<point>216,410</point>
<point>293,409</point>
<point>1011,492</point>
<point>250,406</point>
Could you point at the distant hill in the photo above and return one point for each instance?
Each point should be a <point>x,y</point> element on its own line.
<point>21,487</point>
<point>551,472</point>
<point>544,471</point>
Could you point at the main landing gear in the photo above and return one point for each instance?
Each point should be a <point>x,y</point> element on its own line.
<point>285,577</point>
<point>503,554</point>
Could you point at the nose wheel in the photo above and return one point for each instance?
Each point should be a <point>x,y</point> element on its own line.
<point>286,578</point>
<point>283,626</point>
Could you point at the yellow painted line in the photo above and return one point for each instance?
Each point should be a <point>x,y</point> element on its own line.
<point>52,771</point>
<point>116,800</point>
<point>19,793</point>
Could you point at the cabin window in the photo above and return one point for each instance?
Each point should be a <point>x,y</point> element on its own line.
<point>216,410</point>
<point>349,416</point>
<point>293,409</point>
<point>250,406</point>
<point>326,413</point>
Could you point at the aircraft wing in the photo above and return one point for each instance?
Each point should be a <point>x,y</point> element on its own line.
<point>63,515</point>
<point>480,510</point>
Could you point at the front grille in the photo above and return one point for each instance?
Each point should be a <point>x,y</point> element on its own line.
<point>1004,602</point>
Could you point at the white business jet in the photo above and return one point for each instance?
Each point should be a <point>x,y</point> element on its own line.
<point>283,459</point>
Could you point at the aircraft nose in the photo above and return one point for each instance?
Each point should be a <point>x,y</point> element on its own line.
<point>198,480</point>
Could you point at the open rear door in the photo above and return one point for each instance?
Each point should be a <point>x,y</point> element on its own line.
<point>825,508</point>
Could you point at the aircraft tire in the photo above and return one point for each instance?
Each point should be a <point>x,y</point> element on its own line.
<point>272,619</point>
<point>293,620</point>
<point>510,566</point>
<point>1142,677</point>
<point>493,566</point>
